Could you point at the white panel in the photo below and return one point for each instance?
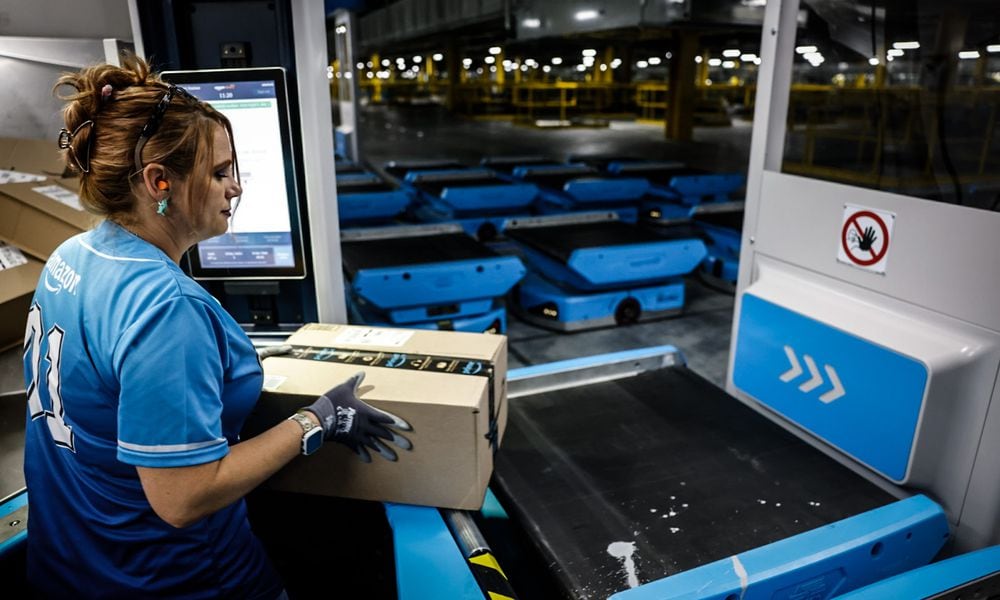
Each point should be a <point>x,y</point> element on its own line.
<point>942,257</point>
<point>309,26</point>
<point>961,360</point>
<point>941,284</point>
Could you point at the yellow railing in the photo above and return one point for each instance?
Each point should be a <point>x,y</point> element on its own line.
<point>891,138</point>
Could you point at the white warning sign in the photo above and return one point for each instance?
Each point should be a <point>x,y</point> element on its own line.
<point>865,236</point>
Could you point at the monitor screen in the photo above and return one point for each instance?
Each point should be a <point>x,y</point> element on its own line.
<point>264,239</point>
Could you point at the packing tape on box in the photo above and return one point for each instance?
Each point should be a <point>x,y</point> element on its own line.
<point>409,362</point>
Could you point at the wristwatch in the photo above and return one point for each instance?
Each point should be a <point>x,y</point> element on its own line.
<point>312,434</point>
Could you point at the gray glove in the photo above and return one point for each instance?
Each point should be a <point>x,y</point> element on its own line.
<point>356,424</point>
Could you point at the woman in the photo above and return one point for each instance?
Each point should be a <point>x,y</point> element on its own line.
<point>138,381</point>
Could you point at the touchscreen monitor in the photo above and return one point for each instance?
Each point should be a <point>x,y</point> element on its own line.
<point>264,239</point>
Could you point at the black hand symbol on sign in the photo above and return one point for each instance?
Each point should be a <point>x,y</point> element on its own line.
<point>867,239</point>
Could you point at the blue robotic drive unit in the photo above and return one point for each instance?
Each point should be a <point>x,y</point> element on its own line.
<point>474,191</point>
<point>477,198</point>
<point>593,270</point>
<point>397,169</point>
<point>577,187</point>
<point>365,198</point>
<point>423,274</point>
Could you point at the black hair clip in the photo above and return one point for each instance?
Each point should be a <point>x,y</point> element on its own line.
<point>66,143</point>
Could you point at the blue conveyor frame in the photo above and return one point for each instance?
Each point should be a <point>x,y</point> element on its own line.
<point>842,556</point>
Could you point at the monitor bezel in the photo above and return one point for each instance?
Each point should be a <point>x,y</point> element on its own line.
<point>276,74</point>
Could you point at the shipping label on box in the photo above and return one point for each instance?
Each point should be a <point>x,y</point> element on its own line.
<point>8,176</point>
<point>450,386</point>
<point>11,257</point>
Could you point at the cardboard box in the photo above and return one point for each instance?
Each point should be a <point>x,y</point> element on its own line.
<point>17,285</point>
<point>41,157</point>
<point>37,216</point>
<point>450,386</point>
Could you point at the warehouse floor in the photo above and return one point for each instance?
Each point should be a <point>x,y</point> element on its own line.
<point>701,332</point>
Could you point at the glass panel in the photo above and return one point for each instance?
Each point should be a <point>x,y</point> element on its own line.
<point>345,70</point>
<point>899,96</point>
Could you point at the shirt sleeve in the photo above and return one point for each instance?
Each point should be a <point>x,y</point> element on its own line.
<point>170,369</point>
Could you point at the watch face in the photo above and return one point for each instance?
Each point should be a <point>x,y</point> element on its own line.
<point>312,441</point>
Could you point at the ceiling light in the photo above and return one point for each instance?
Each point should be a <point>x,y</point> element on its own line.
<point>496,50</point>
<point>586,15</point>
<point>642,64</point>
<point>532,23</point>
<point>873,61</point>
<point>894,52</point>
<point>589,52</point>
<point>906,45</point>
<point>728,64</point>
<point>968,54</point>
<point>993,48</point>
<point>715,62</point>
<point>805,49</point>
<point>438,57</point>
<point>556,60</point>
<point>731,53</point>
<point>653,60</point>
<point>748,57</point>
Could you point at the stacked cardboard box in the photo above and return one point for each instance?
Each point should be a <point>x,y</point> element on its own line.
<point>18,278</point>
<point>450,386</point>
<point>39,209</point>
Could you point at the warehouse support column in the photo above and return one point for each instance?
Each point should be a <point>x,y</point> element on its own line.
<point>680,92</point>
<point>377,81</point>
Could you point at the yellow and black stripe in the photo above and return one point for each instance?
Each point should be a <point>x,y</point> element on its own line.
<point>490,577</point>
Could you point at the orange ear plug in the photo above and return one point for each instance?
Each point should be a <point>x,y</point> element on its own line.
<point>162,185</point>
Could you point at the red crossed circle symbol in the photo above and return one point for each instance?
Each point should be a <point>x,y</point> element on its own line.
<point>853,221</point>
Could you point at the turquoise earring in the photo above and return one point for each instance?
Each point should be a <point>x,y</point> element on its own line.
<point>161,206</point>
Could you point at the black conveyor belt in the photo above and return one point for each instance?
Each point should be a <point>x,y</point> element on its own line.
<point>556,181</point>
<point>661,175</point>
<point>601,161</point>
<point>668,461</point>
<point>348,168</point>
<point>349,187</point>
<point>400,170</point>
<point>437,186</point>
<point>508,164</point>
<point>417,250</point>
<point>733,219</point>
<point>559,241</point>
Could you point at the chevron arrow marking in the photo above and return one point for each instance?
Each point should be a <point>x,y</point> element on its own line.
<point>817,379</point>
<point>837,391</point>
<point>796,369</point>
